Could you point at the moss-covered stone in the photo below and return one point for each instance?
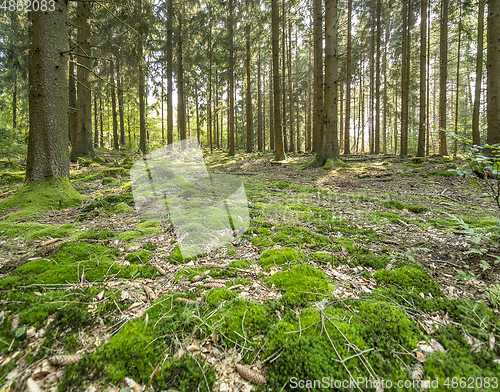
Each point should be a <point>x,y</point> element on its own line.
<point>302,281</point>
<point>277,257</point>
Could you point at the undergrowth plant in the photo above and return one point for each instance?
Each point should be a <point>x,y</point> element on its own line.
<point>483,167</point>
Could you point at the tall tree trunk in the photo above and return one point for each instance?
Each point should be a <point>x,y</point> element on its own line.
<point>279,155</point>
<point>455,145</point>
<point>231,79</point>
<point>493,63</point>
<point>428,98</point>
<point>259,105</point>
<point>330,140</point>
<point>101,134</point>
<point>443,76</point>
<point>293,147</point>
<point>476,138</point>
<point>119,80</point>
<point>116,144</point>
<point>423,78</point>
<point>47,156</point>
<point>405,71</point>
<point>371,129</point>
<point>347,136</point>
<point>283,77</point>
<point>142,107</point>
<point>318,77</point>
<point>181,104</point>
<point>377,82</point>
<point>96,129</point>
<point>82,145</point>
<point>170,109</point>
<point>72,103</point>
<point>263,112</point>
<point>162,109</point>
<point>209,103</point>
<point>249,113</point>
<point>271,105</point>
<point>14,100</point>
<point>309,104</point>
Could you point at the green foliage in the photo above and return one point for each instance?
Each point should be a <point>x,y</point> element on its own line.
<point>243,264</point>
<point>215,296</point>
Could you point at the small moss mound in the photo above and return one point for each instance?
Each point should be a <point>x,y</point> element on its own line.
<point>216,296</point>
<point>108,205</point>
<point>149,246</point>
<point>141,257</point>
<point>240,264</point>
<point>45,195</point>
<point>277,257</point>
<point>110,181</point>
<point>400,205</point>
<point>302,281</point>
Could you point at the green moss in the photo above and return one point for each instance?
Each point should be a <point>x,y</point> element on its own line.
<point>149,246</point>
<point>322,257</point>
<point>114,172</point>
<point>332,163</point>
<point>149,227</point>
<point>45,195</point>
<point>108,205</point>
<point>216,296</point>
<point>411,277</point>
<point>302,281</point>
<point>12,177</point>
<point>400,205</point>
<point>277,257</point>
<point>240,264</point>
<point>126,236</point>
<point>30,230</point>
<point>110,181</point>
<point>288,235</point>
<point>68,264</point>
<point>141,257</point>
<point>94,234</point>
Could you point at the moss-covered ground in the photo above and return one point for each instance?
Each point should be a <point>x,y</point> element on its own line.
<point>343,274</point>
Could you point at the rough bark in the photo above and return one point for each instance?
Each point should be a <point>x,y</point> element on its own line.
<point>119,81</point>
<point>330,140</point>
<point>376,149</point>
<point>493,67</point>
<point>259,105</point>
<point>116,144</point>
<point>47,156</point>
<point>405,89</point>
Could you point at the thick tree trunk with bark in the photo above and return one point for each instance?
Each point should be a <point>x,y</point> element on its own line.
<point>347,148</point>
<point>259,105</point>
<point>376,149</point>
<point>330,140</point>
<point>82,145</point>
<point>72,103</point>
<point>493,64</point>
<point>405,76</point>
<point>48,96</point>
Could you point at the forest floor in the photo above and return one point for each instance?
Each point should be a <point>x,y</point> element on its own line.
<point>382,269</point>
